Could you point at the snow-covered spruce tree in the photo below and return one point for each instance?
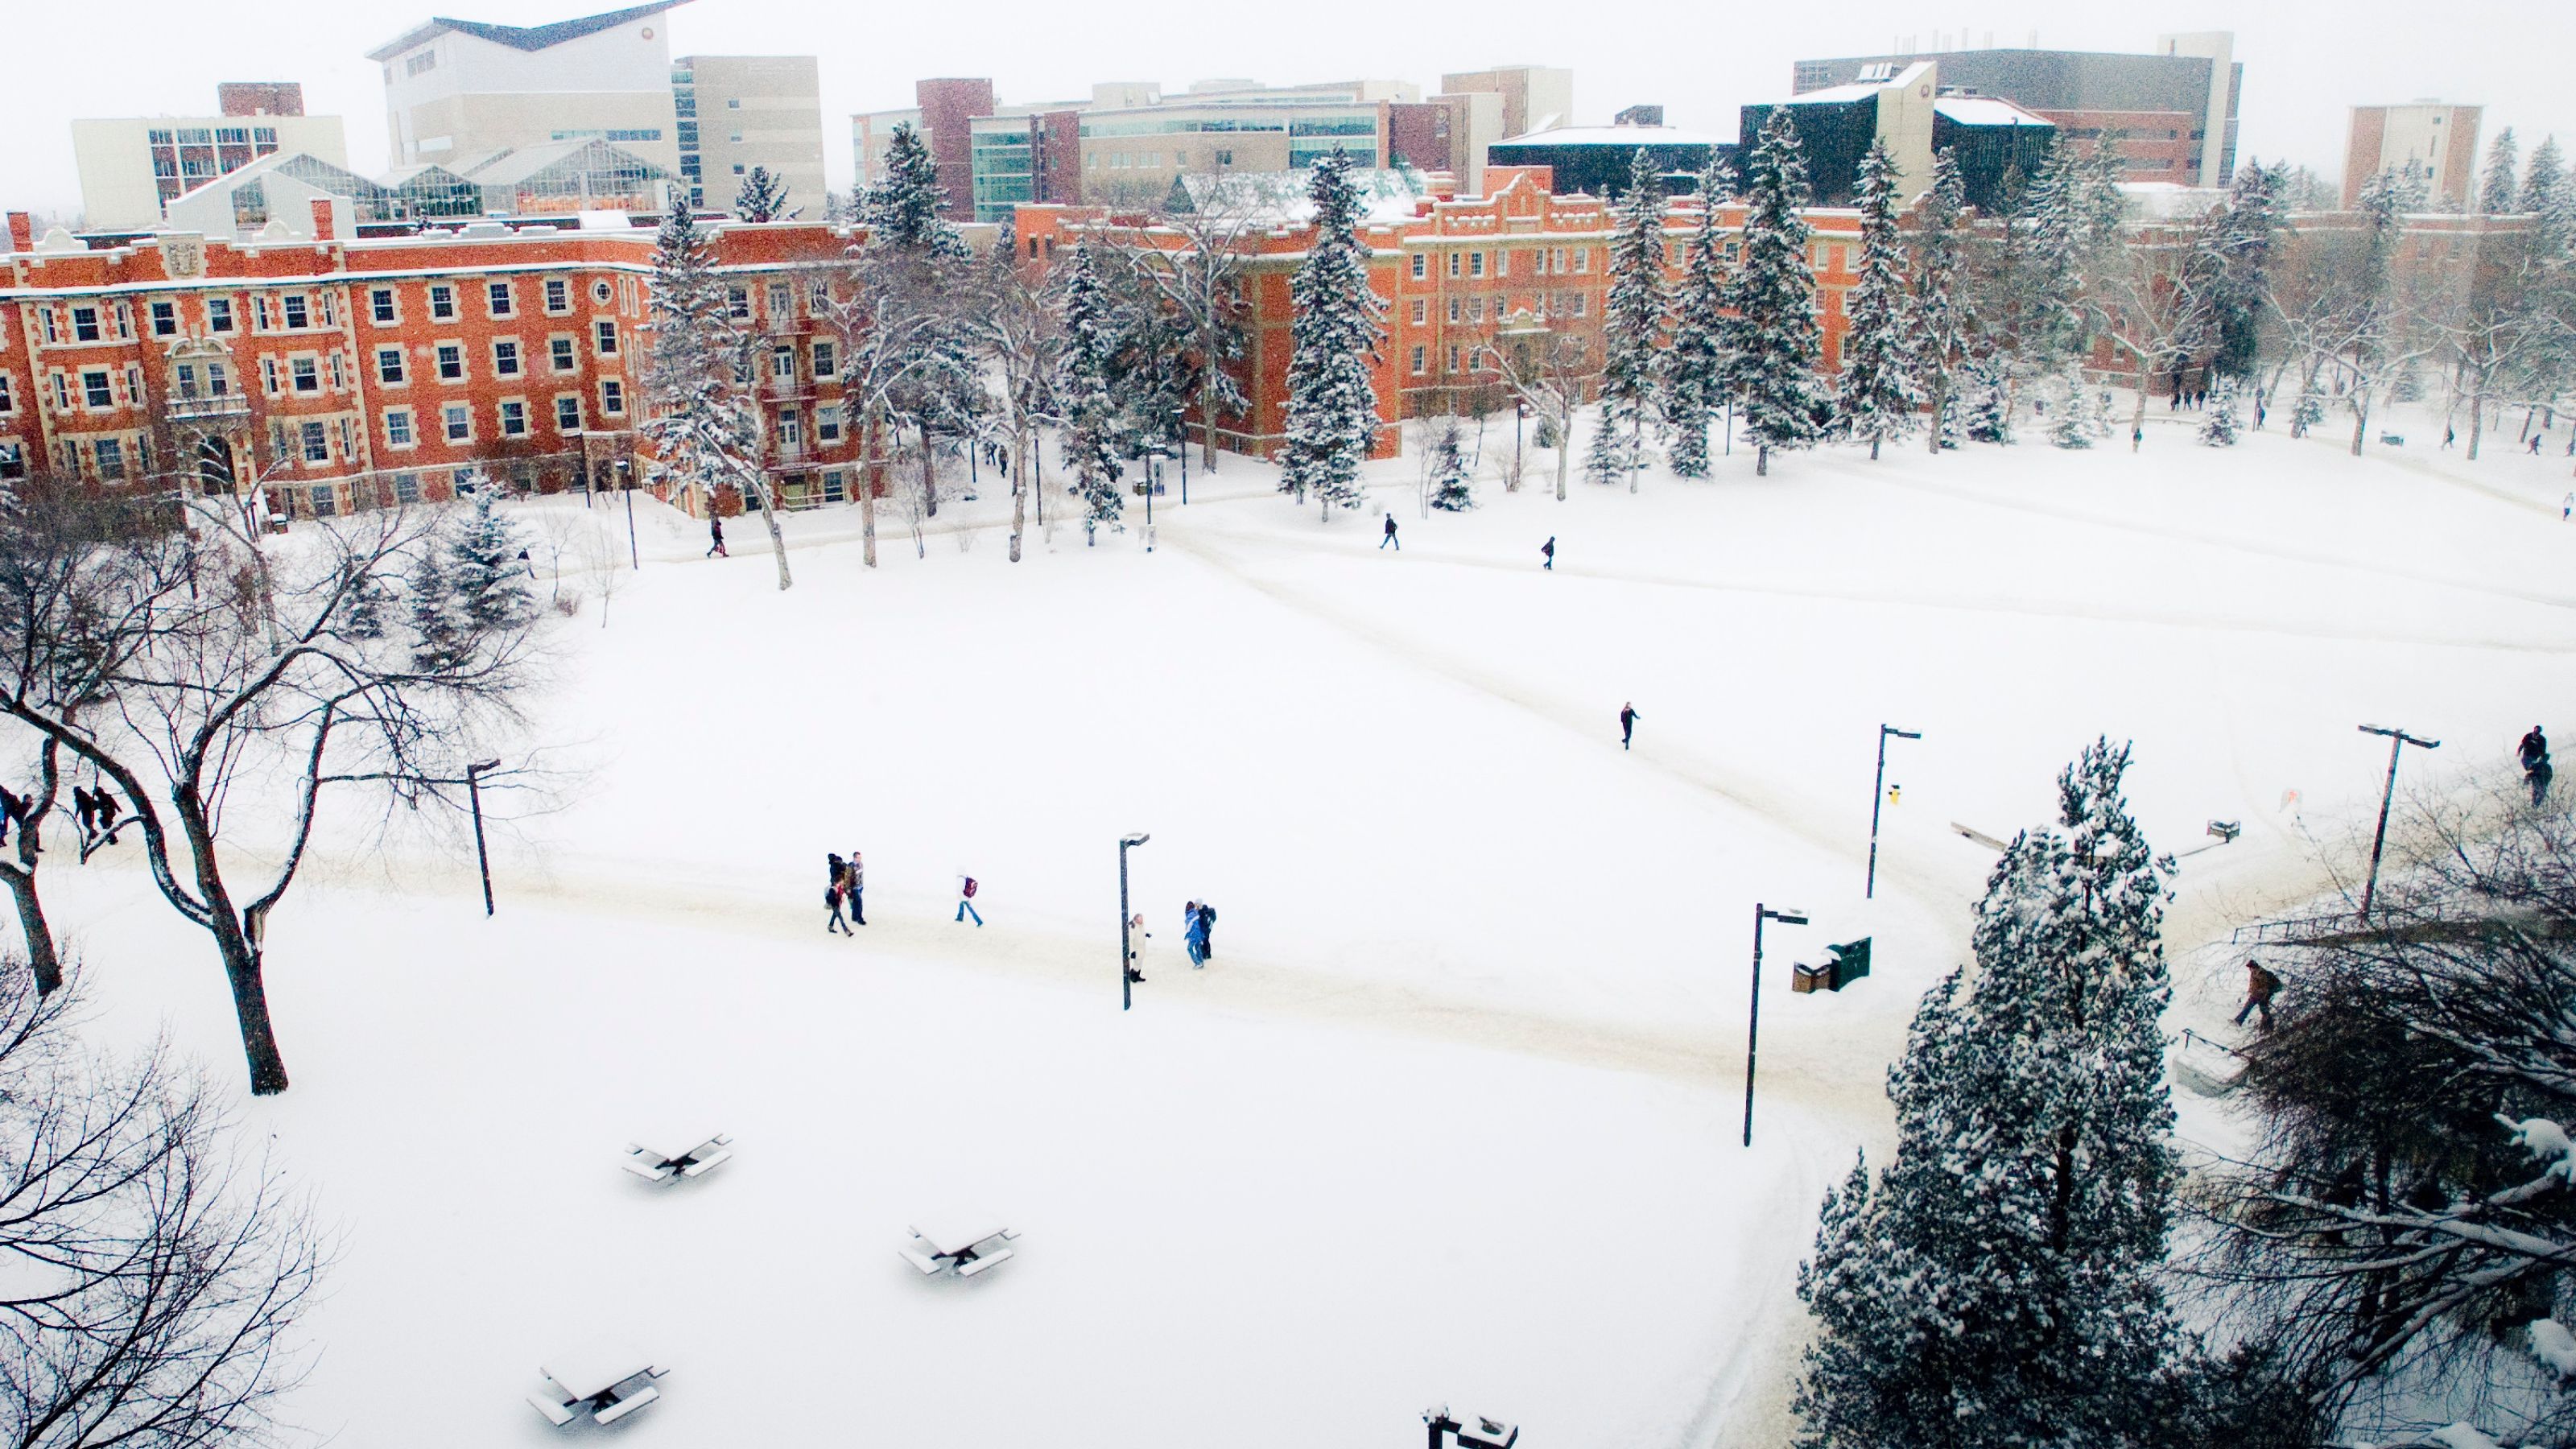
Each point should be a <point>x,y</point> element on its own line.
<point>485,572</point>
<point>1774,343</point>
<point>1694,371</point>
<point>1941,315</point>
<point>1996,1286</point>
<point>440,636</point>
<point>1332,400</point>
<point>2548,194</point>
<point>703,427</point>
<point>1632,328</point>
<point>2218,427</point>
<point>2248,235</point>
<point>2070,421</point>
<point>1449,489</point>
<point>1989,402</point>
<point>914,276</point>
<point>2496,193</point>
<point>1093,444</point>
<point>1875,393</point>
<point>763,197</point>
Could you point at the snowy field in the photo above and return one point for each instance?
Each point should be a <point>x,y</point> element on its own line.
<point>1454,1115</point>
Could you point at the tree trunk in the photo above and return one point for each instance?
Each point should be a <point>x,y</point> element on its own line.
<point>929,474</point>
<point>1762,461</point>
<point>1564,449</point>
<point>868,477</point>
<point>777,538</point>
<point>1637,446</point>
<point>1940,406</point>
<point>46,966</point>
<point>1207,428</point>
<point>244,968</point>
<point>2138,418</point>
<point>1873,447</point>
<point>1019,487</point>
<point>2360,418</point>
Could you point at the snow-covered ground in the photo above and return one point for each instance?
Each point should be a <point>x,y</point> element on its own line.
<point>1454,1116</point>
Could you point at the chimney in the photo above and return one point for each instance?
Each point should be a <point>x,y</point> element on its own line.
<point>22,231</point>
<point>323,229</point>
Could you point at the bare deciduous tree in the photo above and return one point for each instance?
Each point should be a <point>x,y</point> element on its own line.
<point>151,1281</point>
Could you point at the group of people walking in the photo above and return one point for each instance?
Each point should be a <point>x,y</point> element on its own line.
<point>2536,769</point>
<point>1198,927</point>
<point>848,887</point>
<point>98,814</point>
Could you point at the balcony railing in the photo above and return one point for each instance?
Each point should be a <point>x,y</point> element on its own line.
<point>198,406</point>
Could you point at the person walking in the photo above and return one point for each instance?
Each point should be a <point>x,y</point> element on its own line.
<point>832,903</point>
<point>1390,536</point>
<point>1628,718</point>
<point>2260,987</point>
<point>1193,936</point>
<point>715,532</point>
<point>966,899</point>
<point>2447,436</point>
<point>106,798</point>
<point>1547,551</point>
<point>2534,754</point>
<point>854,884</point>
<point>1207,933</point>
<point>2535,445</point>
<point>84,811</point>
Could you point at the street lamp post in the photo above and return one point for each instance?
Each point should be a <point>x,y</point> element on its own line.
<point>1753,1021</point>
<point>626,485</point>
<point>1878,793</point>
<point>482,857</point>
<point>2398,740</point>
<point>1126,955</point>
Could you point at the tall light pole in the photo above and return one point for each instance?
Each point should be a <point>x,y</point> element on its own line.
<point>474,792</point>
<point>1753,1020</point>
<point>1878,793</point>
<point>626,481</point>
<point>1126,956</point>
<point>2398,740</point>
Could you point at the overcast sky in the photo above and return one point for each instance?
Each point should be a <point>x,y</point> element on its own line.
<point>2305,62</point>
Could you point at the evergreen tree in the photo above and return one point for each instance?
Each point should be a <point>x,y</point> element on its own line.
<point>440,637</point>
<point>914,278</point>
<point>902,210</point>
<point>1632,327</point>
<point>1694,374</point>
<point>1332,400</point>
<point>763,197</point>
<point>1773,338</point>
<point>1875,393</point>
<point>1093,430</point>
<point>1989,402</point>
<point>698,413</point>
<point>2218,427</point>
<point>1942,317</point>
<point>1995,1287</point>
<point>2548,195</point>
<point>485,573</point>
<point>2496,195</point>
<point>1449,490</point>
<point>2070,419</point>
<point>2247,234</point>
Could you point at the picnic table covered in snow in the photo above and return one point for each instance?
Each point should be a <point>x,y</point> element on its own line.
<point>970,1247</point>
<point>591,1376</point>
<point>661,1161</point>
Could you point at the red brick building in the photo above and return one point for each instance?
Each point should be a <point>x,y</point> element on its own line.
<point>339,372</point>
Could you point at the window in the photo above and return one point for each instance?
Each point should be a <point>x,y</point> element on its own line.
<point>326,500</point>
<point>606,332</point>
<point>558,295</point>
<point>50,334</point>
<point>134,384</point>
<point>818,297</point>
<point>1556,259</point>
<point>1455,260</point>
<point>13,460</point>
<point>1456,309</point>
<point>124,322</point>
<point>84,324</point>
<point>733,104</point>
<point>827,424</point>
<point>398,427</point>
<point>1419,366</point>
<point>737,301</point>
<point>1421,311</point>
<point>505,358</point>
<point>782,300</point>
<point>782,364</point>
<point>1582,260</point>
<point>442,302</point>
<point>1582,304</point>
<point>96,390</point>
<point>295,311</point>
<point>599,293</point>
<point>165,319</point>
<point>612,397</point>
<point>1453,359</point>
<point>567,414</point>
<point>307,377</point>
<point>380,304</point>
<point>559,354</point>
<point>460,423</point>
<point>514,420</point>
<point>219,314</point>
<point>835,485</point>
<point>111,458</point>
<point>1421,266</point>
<point>824,358</point>
<point>268,374</point>
<point>791,428</point>
<point>389,365</point>
<point>451,361</point>
<point>7,403</point>
<point>406,487</point>
<point>1475,264</point>
<point>1475,309</point>
<point>339,379</point>
<point>317,443</point>
<point>498,295</point>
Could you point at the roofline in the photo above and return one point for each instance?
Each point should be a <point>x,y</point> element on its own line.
<point>521,37</point>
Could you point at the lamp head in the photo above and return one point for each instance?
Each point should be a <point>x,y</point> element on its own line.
<point>1138,838</point>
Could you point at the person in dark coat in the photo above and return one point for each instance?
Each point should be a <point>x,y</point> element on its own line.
<point>13,810</point>
<point>1628,718</point>
<point>2536,768</point>
<point>106,799</point>
<point>2260,987</point>
<point>1547,551</point>
<point>832,903</point>
<point>1207,932</point>
<point>854,884</point>
<point>84,810</point>
<point>715,532</point>
<point>1390,536</point>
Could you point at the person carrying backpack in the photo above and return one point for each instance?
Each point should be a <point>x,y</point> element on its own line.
<point>966,899</point>
<point>854,884</point>
<point>1207,932</point>
<point>1628,718</point>
<point>2534,754</point>
<point>1547,551</point>
<point>2260,987</point>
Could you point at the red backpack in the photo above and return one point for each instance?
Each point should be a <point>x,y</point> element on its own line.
<point>970,887</point>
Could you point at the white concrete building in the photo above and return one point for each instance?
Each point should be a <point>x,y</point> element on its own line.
<point>462,87</point>
<point>741,111</point>
<point>131,167</point>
